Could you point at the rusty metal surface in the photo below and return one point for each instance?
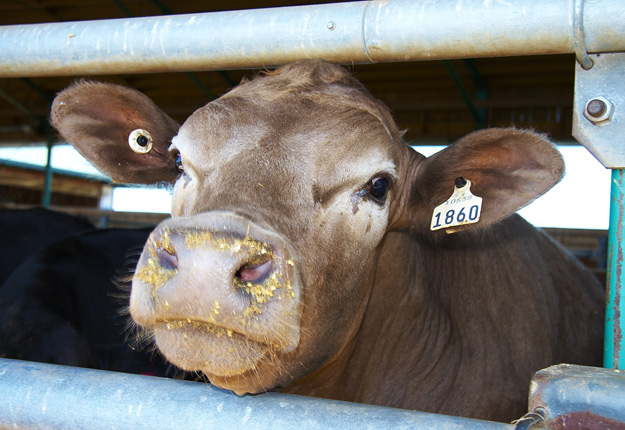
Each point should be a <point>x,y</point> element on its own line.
<point>585,421</point>
<point>614,319</point>
<point>351,32</point>
<point>579,397</point>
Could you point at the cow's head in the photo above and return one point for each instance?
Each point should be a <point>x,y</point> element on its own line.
<point>284,189</point>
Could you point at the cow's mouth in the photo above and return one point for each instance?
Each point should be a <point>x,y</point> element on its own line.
<point>209,348</point>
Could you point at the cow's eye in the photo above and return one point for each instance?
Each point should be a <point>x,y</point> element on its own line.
<point>179,166</point>
<point>378,188</point>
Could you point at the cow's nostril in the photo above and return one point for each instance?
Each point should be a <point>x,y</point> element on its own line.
<point>167,260</point>
<point>255,272</point>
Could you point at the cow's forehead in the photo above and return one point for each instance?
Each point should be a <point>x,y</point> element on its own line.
<point>339,141</point>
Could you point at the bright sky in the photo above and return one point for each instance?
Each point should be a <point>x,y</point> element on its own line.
<point>580,200</point>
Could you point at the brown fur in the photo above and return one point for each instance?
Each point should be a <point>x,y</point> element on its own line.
<point>493,312</point>
<point>98,116</point>
<point>389,312</point>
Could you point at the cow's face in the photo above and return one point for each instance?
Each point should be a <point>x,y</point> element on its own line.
<point>284,189</point>
<point>277,214</point>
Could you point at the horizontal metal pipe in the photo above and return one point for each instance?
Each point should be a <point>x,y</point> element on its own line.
<point>36,395</point>
<point>579,397</point>
<point>352,32</point>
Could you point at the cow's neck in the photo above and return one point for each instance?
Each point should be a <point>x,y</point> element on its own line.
<point>407,337</point>
<point>386,347</point>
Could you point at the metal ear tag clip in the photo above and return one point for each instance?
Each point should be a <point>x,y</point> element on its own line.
<point>140,141</point>
<point>460,209</point>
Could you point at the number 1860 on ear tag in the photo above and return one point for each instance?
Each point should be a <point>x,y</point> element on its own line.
<point>460,209</point>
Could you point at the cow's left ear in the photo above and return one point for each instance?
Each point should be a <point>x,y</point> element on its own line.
<point>120,130</point>
<point>507,168</point>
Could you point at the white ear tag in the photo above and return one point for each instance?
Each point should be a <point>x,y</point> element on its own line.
<point>140,141</point>
<point>460,209</point>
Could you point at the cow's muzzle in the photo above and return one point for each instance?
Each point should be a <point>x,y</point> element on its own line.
<point>218,291</point>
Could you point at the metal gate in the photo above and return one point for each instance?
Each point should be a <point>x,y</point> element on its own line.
<point>34,395</point>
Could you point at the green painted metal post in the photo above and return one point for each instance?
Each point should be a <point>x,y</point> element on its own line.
<point>614,353</point>
<point>47,184</point>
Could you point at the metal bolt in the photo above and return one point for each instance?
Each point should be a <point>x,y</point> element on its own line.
<point>331,25</point>
<point>598,110</point>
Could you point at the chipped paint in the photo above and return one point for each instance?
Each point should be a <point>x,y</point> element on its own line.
<point>585,420</point>
<point>613,356</point>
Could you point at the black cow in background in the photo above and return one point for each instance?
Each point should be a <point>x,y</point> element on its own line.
<point>64,304</point>
<point>23,232</point>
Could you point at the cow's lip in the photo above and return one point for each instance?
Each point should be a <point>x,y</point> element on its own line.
<point>196,345</point>
<point>211,327</point>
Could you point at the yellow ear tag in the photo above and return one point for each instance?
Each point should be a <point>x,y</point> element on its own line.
<point>461,208</point>
<point>140,141</point>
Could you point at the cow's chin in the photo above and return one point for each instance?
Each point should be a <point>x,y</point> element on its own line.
<point>229,360</point>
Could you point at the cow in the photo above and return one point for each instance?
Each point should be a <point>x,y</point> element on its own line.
<point>65,304</point>
<point>303,253</point>
<point>26,231</point>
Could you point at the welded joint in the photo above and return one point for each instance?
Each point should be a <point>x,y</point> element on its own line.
<point>363,28</point>
<point>579,39</point>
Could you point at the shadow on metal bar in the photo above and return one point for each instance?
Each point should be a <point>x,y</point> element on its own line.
<point>38,395</point>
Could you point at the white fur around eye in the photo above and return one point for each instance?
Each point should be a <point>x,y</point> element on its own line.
<point>140,141</point>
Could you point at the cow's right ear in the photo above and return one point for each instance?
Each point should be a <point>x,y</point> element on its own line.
<point>120,130</point>
<point>507,168</point>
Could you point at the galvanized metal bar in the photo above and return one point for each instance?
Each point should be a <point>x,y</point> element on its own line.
<point>599,108</point>
<point>190,75</point>
<point>614,347</point>
<point>352,32</point>
<point>36,395</point>
<point>579,397</point>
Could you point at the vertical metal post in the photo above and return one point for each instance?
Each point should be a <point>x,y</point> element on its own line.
<point>47,184</point>
<point>478,116</point>
<point>599,124</point>
<point>614,320</point>
<point>106,204</point>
